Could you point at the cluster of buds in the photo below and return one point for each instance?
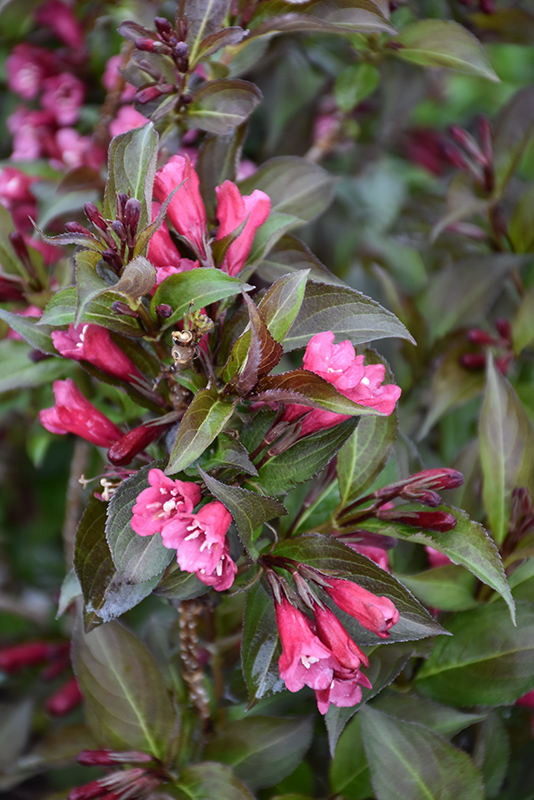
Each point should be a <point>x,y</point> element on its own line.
<point>55,658</point>
<point>118,236</point>
<point>470,156</point>
<point>135,783</point>
<point>167,41</point>
<point>502,341</point>
<point>418,488</point>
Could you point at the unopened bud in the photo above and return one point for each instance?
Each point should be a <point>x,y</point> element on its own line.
<point>10,288</point>
<point>13,659</point>
<point>123,309</point>
<point>437,478</point>
<point>148,94</point>
<point>121,198</point>
<point>426,520</point>
<point>107,758</point>
<point>164,310</point>
<point>503,363</point>
<point>473,361</point>
<point>468,143</point>
<point>36,355</point>
<point>87,792</point>
<point>123,451</point>
<point>521,504</point>
<point>75,227</point>
<point>504,328</point>
<point>474,232</point>
<point>132,215</point>
<point>55,669</point>
<point>487,6</point>
<point>425,497</point>
<point>93,215</point>
<point>112,258</point>
<point>181,56</point>
<point>163,26</point>
<point>119,229</point>
<point>484,131</point>
<point>65,699</point>
<point>153,46</point>
<point>478,336</point>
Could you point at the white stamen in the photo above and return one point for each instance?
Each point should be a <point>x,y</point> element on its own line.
<point>308,660</point>
<point>205,544</point>
<point>162,490</point>
<point>150,506</point>
<point>365,381</point>
<point>169,505</point>
<point>192,535</point>
<point>218,569</point>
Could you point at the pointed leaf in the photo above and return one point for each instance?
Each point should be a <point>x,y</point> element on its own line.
<point>221,105</point>
<point>38,336</point>
<point>444,720</point>
<point>253,355</point>
<point>215,41</point>
<point>131,169</point>
<point>487,661</point>
<point>281,303</point>
<point>290,254</point>
<point>260,646</point>
<point>513,131</point>
<point>61,310</point>
<point>209,780</point>
<point>248,509</point>
<point>18,372</point>
<point>442,43</point>
<point>204,18</point>
<point>409,760</point>
<point>179,585</point>
<point>364,455</point>
<point>127,705</point>
<point>137,558</point>
<point>506,449</point>
<point>344,311</point>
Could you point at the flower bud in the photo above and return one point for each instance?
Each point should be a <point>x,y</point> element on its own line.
<point>473,361</point>
<point>427,520</point>
<point>484,132</point>
<point>93,215</point>
<point>123,451</point>
<point>468,143</point>
<point>75,227</point>
<point>87,792</point>
<point>181,56</point>
<point>112,258</point>
<point>153,46</point>
<point>504,328</point>
<point>478,336</point>
<point>106,758</point>
<point>119,229</point>
<point>425,497</point>
<point>10,288</point>
<point>474,232</point>
<point>124,309</point>
<point>163,26</point>
<point>148,94</point>
<point>164,310</point>
<point>65,699</point>
<point>13,659</point>
<point>132,214</point>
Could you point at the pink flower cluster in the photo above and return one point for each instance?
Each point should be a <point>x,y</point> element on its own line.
<point>321,654</point>
<point>187,214</point>
<point>199,539</point>
<point>339,365</point>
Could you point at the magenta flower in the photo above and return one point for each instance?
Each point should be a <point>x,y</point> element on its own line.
<point>165,500</point>
<point>94,344</point>
<point>186,210</point>
<point>344,691</point>
<point>63,95</point>
<point>127,118</point>
<point>72,413</point>
<point>27,67</point>
<point>59,17</point>
<point>377,614</point>
<point>32,131</point>
<point>15,187</point>
<point>201,544</point>
<point>332,633</point>
<point>232,210</point>
<point>305,660</point>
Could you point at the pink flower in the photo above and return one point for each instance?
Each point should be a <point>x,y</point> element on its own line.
<point>72,413</point>
<point>377,614</point>
<point>305,660</point>
<point>201,544</point>
<point>165,500</point>
<point>185,265</point>
<point>332,633</point>
<point>232,210</point>
<point>60,19</point>
<point>186,210</point>
<point>63,95</point>
<point>345,691</point>
<point>94,344</point>
<point>437,559</point>
<point>27,67</point>
<point>113,80</point>
<point>15,187</point>
<point>127,118</point>
<point>70,149</point>
<point>32,131</point>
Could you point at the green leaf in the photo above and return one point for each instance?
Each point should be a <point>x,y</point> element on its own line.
<point>215,41</point>
<point>220,106</point>
<point>506,449</point>
<point>273,229</point>
<point>492,753</point>
<point>8,259</point>
<point>354,84</point>
<point>248,509</point>
<point>296,186</point>
<point>449,588</point>
<point>523,321</point>
<point>218,161</point>
<point>200,286</point>
<point>179,585</point>
<point>262,751</point>
<point>445,721</point>
<point>137,279</point>
<point>442,43</point>
<point>204,18</point>
<point>290,254</point>
<point>61,310</point>
<point>467,544</point>
<point>131,169</point>
<point>409,760</point>
<point>260,646</point>
<point>36,336</point>
<point>17,372</point>
<point>513,132</point>
<point>106,593</point>
<point>137,558</point>
<point>327,553</point>
<point>487,661</point>
<point>344,311</point>
<point>329,16</point>
<point>304,459</point>
<point>363,456</point>
<point>206,781</point>
<point>127,705</point>
<point>204,419</point>
<point>281,303</point>
<point>15,732</point>
<point>349,771</point>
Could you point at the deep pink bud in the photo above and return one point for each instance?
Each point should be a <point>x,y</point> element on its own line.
<point>132,443</point>
<point>456,158</point>
<point>468,143</point>
<point>75,227</point>
<point>153,46</point>
<point>437,478</point>
<point>94,344</point>
<point>427,520</point>
<point>148,94</point>
<point>504,328</point>
<point>163,26</point>
<point>93,215</point>
<point>484,130</point>
<point>106,758</point>
<point>426,497</point>
<point>72,413</point>
<point>87,792</point>
<point>377,614</point>
<point>65,699</point>
<point>332,633</point>
<point>473,361</point>
<point>478,336</point>
<point>15,658</point>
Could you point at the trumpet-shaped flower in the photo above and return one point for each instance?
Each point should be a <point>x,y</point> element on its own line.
<point>163,501</point>
<point>72,413</point>
<point>377,614</point>
<point>94,344</point>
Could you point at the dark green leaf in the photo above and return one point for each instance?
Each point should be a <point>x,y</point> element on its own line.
<point>105,592</point>
<point>36,336</point>
<point>276,226</point>
<point>441,719</point>
<point>290,254</point>
<point>137,558</point>
<point>15,732</point>
<point>506,449</point>
<point>200,286</point>
<point>179,585</point>
<point>409,760</point>
<point>218,161</point>
<point>248,509</point>
<point>215,41</point>
<point>304,459</point>
<point>8,259</point>
<point>61,310</point>
<point>327,553</point>
<point>344,311</point>
<point>131,169</point>
<point>330,16</point>
<point>262,751</point>
<point>221,105</point>
<point>364,455</point>
<point>442,43</point>
<point>18,372</point>
<point>513,131</point>
<point>126,703</point>
<point>204,419</point>
<point>207,781</point>
<point>231,453</point>
<point>296,186</point>
<point>354,84</point>
<point>252,434</point>
<point>260,646</point>
<point>349,772</point>
<point>204,18</point>
<point>281,303</point>
<point>449,588</point>
<point>487,661</point>
<point>492,753</point>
